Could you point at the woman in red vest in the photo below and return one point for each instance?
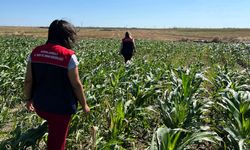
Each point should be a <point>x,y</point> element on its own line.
<point>127,47</point>
<point>52,85</point>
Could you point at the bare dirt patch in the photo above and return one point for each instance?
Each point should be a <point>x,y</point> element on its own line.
<point>175,34</point>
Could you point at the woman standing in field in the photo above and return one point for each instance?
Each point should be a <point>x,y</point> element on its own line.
<point>127,47</point>
<point>52,85</point>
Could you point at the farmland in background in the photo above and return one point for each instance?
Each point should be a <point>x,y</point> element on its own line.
<point>173,94</point>
<point>173,34</point>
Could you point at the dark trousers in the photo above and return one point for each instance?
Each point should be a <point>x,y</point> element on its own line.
<point>58,129</point>
<point>127,57</point>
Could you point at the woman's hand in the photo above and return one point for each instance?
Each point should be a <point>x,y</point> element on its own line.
<point>78,88</point>
<point>29,106</point>
<point>86,108</point>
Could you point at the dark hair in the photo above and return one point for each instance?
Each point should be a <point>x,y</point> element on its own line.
<point>62,33</point>
<point>127,35</point>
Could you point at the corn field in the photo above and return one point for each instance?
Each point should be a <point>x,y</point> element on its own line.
<point>171,96</point>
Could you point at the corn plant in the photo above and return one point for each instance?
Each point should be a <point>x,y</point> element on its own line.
<point>129,101</point>
<point>182,106</point>
<point>236,128</point>
<point>233,105</point>
<point>22,140</point>
<point>181,110</point>
<point>117,124</point>
<point>179,139</point>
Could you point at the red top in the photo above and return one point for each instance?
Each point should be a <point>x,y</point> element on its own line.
<point>52,54</point>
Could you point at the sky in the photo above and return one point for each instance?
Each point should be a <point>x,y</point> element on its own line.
<point>128,13</point>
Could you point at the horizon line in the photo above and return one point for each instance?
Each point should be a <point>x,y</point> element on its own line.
<point>110,27</point>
